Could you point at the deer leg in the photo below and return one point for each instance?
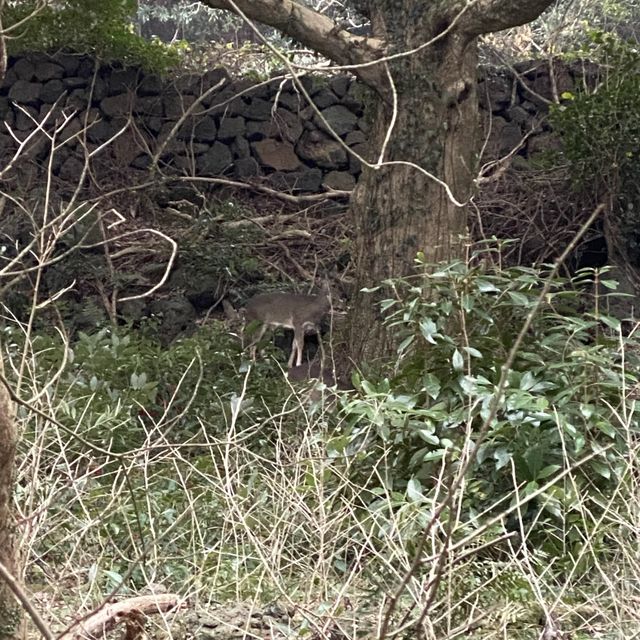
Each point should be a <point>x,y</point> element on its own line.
<point>297,346</point>
<point>256,341</point>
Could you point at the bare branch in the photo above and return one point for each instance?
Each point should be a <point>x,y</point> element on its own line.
<point>314,30</point>
<point>487,16</point>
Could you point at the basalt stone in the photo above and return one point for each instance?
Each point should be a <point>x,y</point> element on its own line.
<point>205,129</point>
<point>340,120</point>
<point>52,90</point>
<point>26,118</point>
<point>231,127</point>
<point>246,168</point>
<point>119,105</point>
<point>101,131</point>
<point>86,67</point>
<point>77,100</point>
<point>68,62</point>
<point>215,76</point>
<point>291,101</point>
<point>495,93</point>
<point>152,123</point>
<point>24,92</point>
<point>258,109</point>
<point>353,104</point>
<point>214,161</point>
<point>74,82</point>
<point>71,168</point>
<point>175,105</point>
<point>149,105</point>
<point>225,103</point>
<point>339,181</point>
<point>5,108</point>
<point>340,85</point>
<point>98,89</point>
<point>48,71</point>
<point>355,137</point>
<point>325,98</point>
<point>276,154</point>
<point>150,85</point>
<point>306,180</point>
<point>257,130</point>
<point>325,152</point>
<point>24,69</point>
<point>240,148</point>
<point>123,80</point>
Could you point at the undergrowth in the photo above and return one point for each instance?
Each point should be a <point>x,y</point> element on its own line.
<point>191,467</point>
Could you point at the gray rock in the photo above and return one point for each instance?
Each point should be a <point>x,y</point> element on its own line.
<point>518,115</point>
<point>175,104</point>
<point>23,69</point>
<point>25,118</point>
<point>240,148</point>
<point>215,161</point>
<point>495,92</point>
<point>205,130</point>
<point>5,108</point>
<point>276,154</point>
<point>119,105</point>
<point>231,127</point>
<point>355,137</point>
<point>291,101</point>
<point>245,168</point>
<point>77,100</point>
<point>74,82</point>
<point>339,180</point>
<point>24,92</point>
<point>258,109</point>
<point>317,148</point>
<point>177,317</point>
<point>86,67</point>
<point>340,85</point>
<point>48,71</point>
<point>339,118</point>
<point>101,131</point>
<point>305,180</point>
<point>70,169</point>
<point>325,98</point>
<point>68,62</point>
<point>52,90</point>
<point>123,80</point>
<point>212,77</point>
<point>150,85</point>
<point>149,105</point>
<point>152,123</point>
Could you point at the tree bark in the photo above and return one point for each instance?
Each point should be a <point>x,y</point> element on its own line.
<point>398,210</point>
<point>10,610</point>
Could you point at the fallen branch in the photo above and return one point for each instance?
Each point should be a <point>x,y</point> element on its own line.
<point>127,611</point>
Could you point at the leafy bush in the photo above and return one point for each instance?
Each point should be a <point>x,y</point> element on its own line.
<point>601,135</point>
<point>568,401</point>
<point>103,28</point>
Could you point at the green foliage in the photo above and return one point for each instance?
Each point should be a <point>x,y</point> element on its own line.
<point>566,394</point>
<point>601,135</point>
<point>103,28</point>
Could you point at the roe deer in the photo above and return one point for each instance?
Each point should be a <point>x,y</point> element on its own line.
<point>302,313</point>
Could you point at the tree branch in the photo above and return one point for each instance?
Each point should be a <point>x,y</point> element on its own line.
<point>314,30</point>
<point>488,16</point>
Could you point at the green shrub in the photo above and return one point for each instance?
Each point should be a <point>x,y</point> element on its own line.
<point>102,28</point>
<point>568,395</point>
<point>600,130</point>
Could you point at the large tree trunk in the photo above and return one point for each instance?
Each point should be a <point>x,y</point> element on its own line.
<point>399,211</point>
<point>10,610</point>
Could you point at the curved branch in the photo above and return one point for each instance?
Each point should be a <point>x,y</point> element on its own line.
<point>314,30</point>
<point>487,16</point>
